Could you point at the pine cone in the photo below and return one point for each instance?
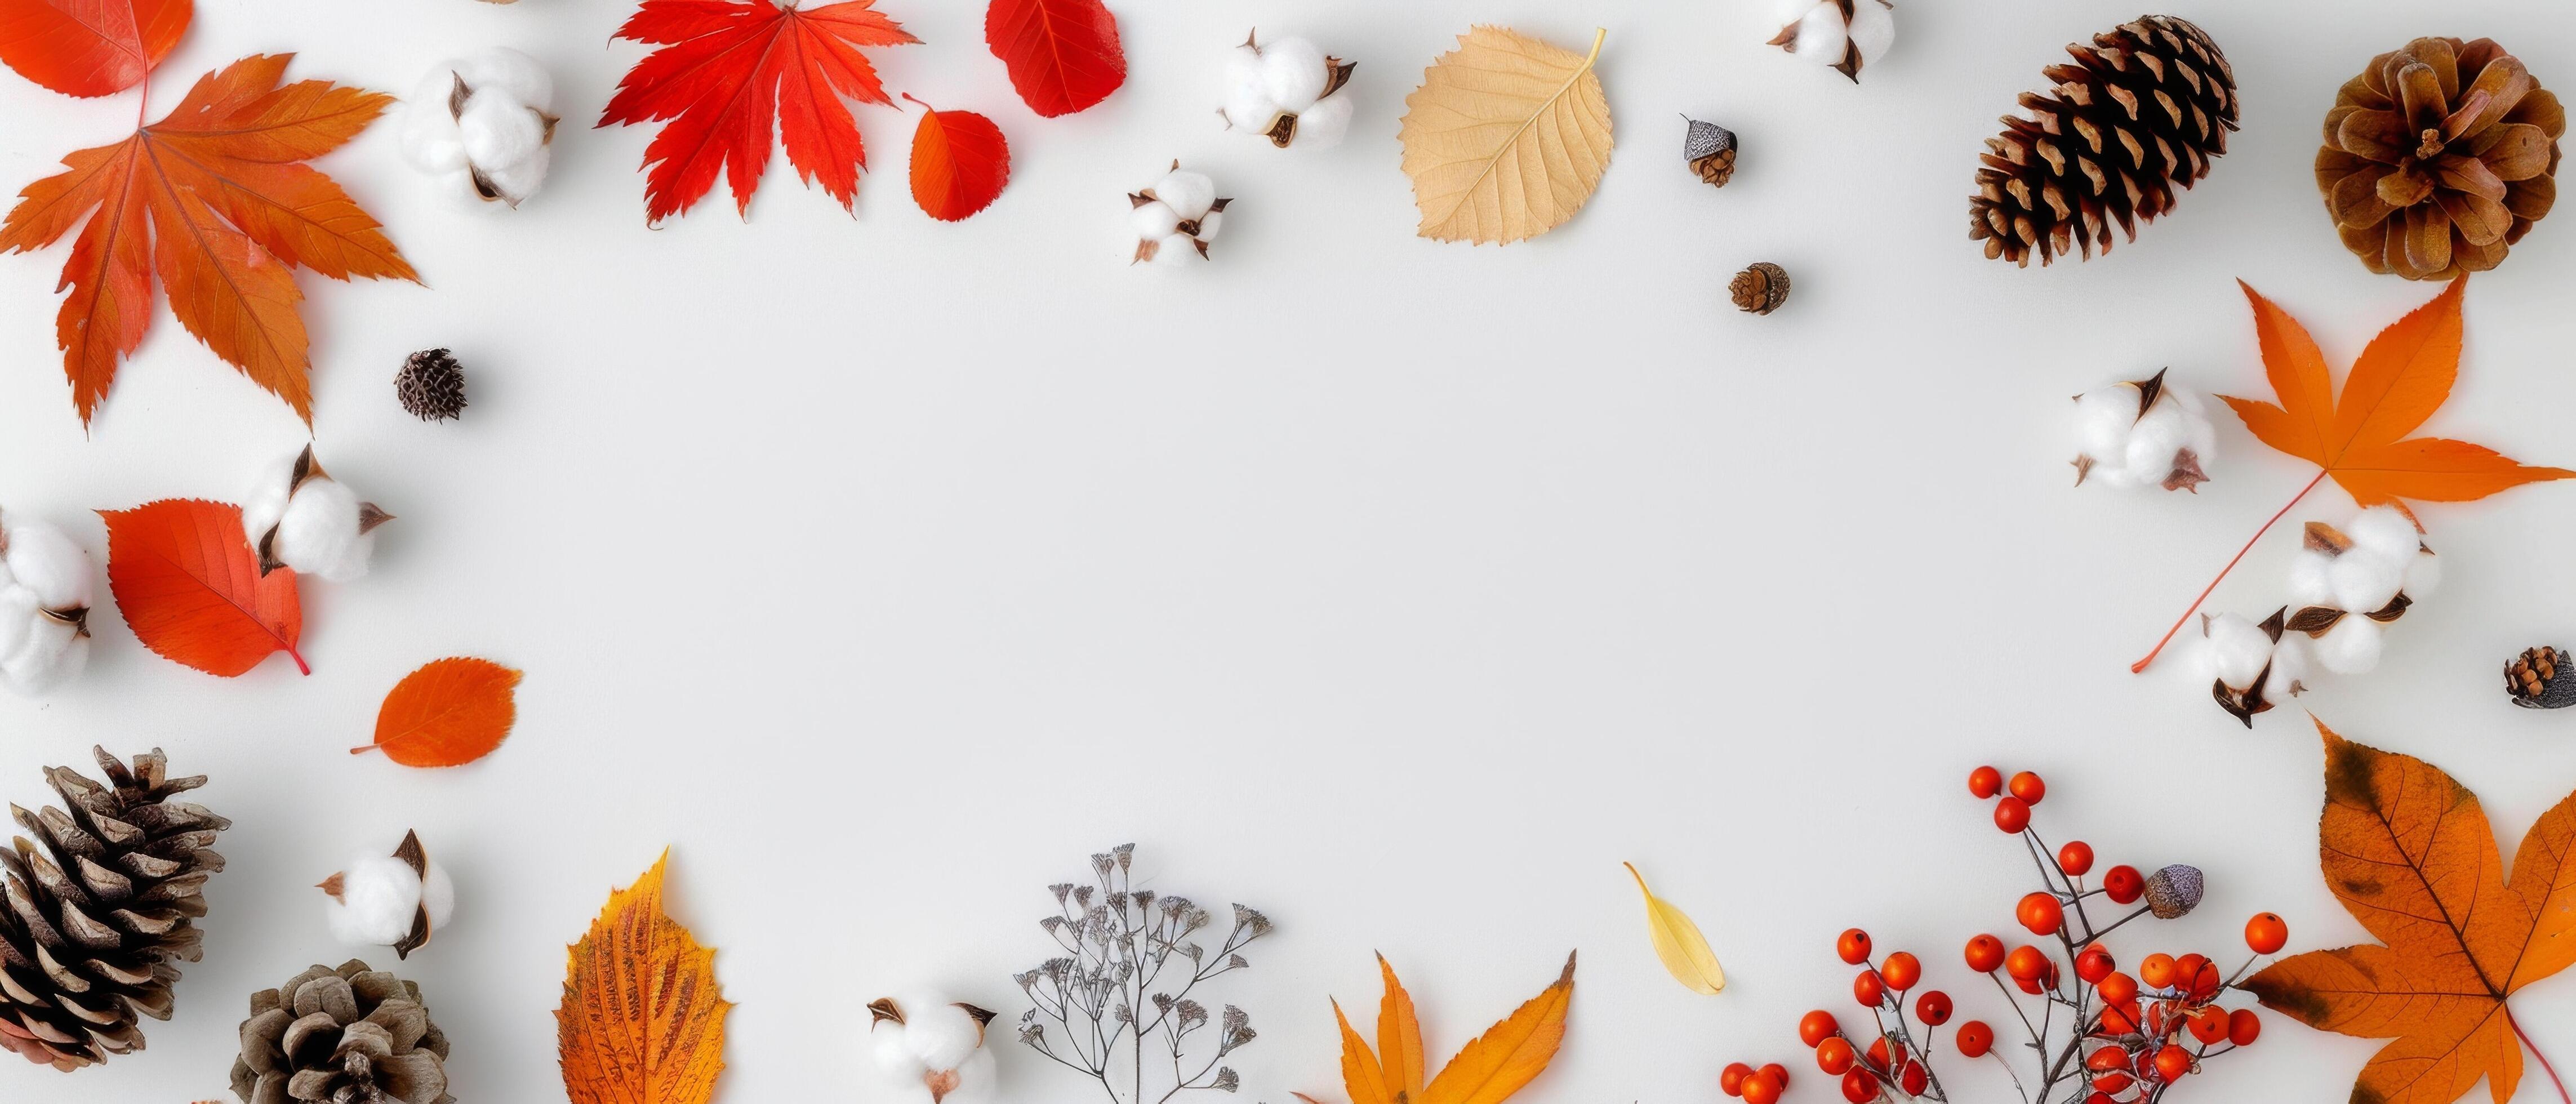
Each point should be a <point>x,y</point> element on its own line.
<point>2539,679</point>
<point>2143,109</point>
<point>346,1036</point>
<point>97,914</point>
<point>1710,149</point>
<point>2439,157</point>
<point>1760,288</point>
<point>432,385</point>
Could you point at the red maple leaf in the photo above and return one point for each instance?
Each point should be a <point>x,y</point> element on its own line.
<point>725,69</point>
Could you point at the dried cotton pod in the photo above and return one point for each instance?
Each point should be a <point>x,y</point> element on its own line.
<point>1285,92</point>
<point>298,516</point>
<point>1760,288</point>
<point>484,125</point>
<point>931,1049</point>
<point>1845,34</point>
<point>45,591</point>
<point>392,901</point>
<point>1176,218</point>
<point>2140,433</point>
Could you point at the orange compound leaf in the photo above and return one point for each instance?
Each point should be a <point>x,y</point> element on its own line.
<point>2408,851</point>
<point>190,588</point>
<point>1506,1058</point>
<point>725,70</point>
<point>959,163</point>
<point>448,713</point>
<point>1063,55</point>
<point>215,199</point>
<point>89,47</point>
<point>642,1019</point>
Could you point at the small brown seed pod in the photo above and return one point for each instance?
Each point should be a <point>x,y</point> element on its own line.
<point>2539,679</point>
<point>1760,288</point>
<point>1710,150</point>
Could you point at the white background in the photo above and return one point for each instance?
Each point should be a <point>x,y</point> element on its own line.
<point>885,568</point>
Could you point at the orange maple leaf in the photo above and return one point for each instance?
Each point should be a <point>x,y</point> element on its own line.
<point>642,1017</point>
<point>1502,1060</point>
<point>215,198</point>
<point>448,713</point>
<point>2409,853</point>
<point>2359,437</point>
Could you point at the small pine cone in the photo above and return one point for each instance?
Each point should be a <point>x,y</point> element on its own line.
<point>346,1036</point>
<point>2439,157</point>
<point>1710,149</point>
<point>431,385</point>
<point>1760,288</point>
<point>2539,679</point>
<point>99,906</point>
<point>2143,109</point>
<point>2174,891</point>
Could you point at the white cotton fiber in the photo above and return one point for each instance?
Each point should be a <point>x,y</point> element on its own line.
<point>379,898</point>
<point>2423,575</point>
<point>501,130</point>
<point>2385,532</point>
<point>2351,647</point>
<point>1324,125</point>
<point>1294,73</point>
<point>2362,580</point>
<point>2235,650</point>
<point>1188,194</point>
<point>1873,29</point>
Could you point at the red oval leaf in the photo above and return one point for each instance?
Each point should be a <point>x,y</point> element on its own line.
<point>189,587</point>
<point>89,47</point>
<point>959,163</point>
<point>448,713</point>
<point>1063,55</point>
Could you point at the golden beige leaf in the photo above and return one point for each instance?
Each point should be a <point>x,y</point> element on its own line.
<point>1506,138</point>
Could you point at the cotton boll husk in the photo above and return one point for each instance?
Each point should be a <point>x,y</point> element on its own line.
<point>2423,575</point>
<point>2385,532</point>
<point>1188,194</point>
<point>1821,35</point>
<point>1324,125</point>
<point>1154,220</point>
<point>500,131</point>
<point>266,502</point>
<point>2235,650</point>
<point>379,898</point>
<point>44,560</point>
<point>938,1033</point>
<point>2310,578</point>
<point>510,72</point>
<point>1292,70</point>
<point>1873,29</point>
<point>2351,647</point>
<point>2363,580</point>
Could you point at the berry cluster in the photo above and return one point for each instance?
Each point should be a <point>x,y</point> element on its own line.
<point>2106,1037</point>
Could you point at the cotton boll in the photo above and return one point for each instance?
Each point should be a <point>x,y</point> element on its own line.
<point>2102,420</point>
<point>480,126</point>
<point>437,895</point>
<point>319,532</point>
<point>1188,194</point>
<point>44,560</point>
<point>1873,29</point>
<point>1294,72</point>
<point>930,1049</point>
<point>937,1032</point>
<point>2362,580</point>
<point>267,499</point>
<point>430,140</point>
<point>2385,532</point>
<point>52,653</point>
<point>1324,125</point>
<point>2166,445</point>
<point>2310,583</point>
<point>512,73</point>
<point>2423,575</point>
<point>522,178</point>
<point>2351,647</point>
<point>2290,661</point>
<point>1177,249</point>
<point>378,899</point>
<point>1821,35</point>
<point>1154,220</point>
<point>2235,650</point>
<point>499,131</point>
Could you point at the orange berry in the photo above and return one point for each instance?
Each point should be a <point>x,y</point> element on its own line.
<point>2172,1062</point>
<point>2266,933</point>
<point>1975,1039</point>
<point>2243,1027</point>
<point>2209,1025</point>
<point>1933,1008</point>
<point>1900,971</point>
<point>1853,946</point>
<point>2075,858</point>
<point>2026,963</point>
<point>1774,1073</point>
<point>1859,1087</point>
<point>2041,913</point>
<point>2121,1018</point>
<point>2117,988</point>
<point>1868,989</point>
<point>1878,1052</point>
<point>2112,1084</point>
<point>1731,1079</point>
<point>1761,1089</point>
<point>2157,970</point>
<point>1816,1027</point>
<point>2027,787</point>
<point>2093,964</point>
<point>1985,953</point>
<point>1835,1056</point>
<point>1985,782</point>
<point>2012,814</point>
<point>2124,885</point>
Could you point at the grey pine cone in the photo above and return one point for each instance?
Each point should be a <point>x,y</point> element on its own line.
<point>431,385</point>
<point>346,1036</point>
<point>100,904</point>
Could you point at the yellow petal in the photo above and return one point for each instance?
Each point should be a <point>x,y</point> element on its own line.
<point>1678,942</point>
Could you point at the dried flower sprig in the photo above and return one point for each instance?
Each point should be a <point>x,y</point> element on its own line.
<point>1113,1004</point>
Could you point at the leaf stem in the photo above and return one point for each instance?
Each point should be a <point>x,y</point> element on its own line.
<point>301,667</point>
<point>2551,1070</point>
<point>2140,666</point>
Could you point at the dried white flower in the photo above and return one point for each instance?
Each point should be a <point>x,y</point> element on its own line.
<point>1175,220</point>
<point>483,125</point>
<point>1284,92</point>
<point>931,1048</point>
<point>396,900</point>
<point>298,516</point>
<point>2142,433</point>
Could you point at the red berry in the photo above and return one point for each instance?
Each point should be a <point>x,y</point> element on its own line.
<point>1975,1038</point>
<point>1985,782</point>
<point>1731,1079</point>
<point>1915,1078</point>
<point>1985,953</point>
<point>1933,1008</point>
<point>2243,1027</point>
<point>2026,963</point>
<point>2041,913</point>
<point>2027,787</point>
<point>2172,1062</point>
<point>2112,1083</point>
<point>1900,971</point>
<point>2101,1098</point>
<point>1878,1052</point>
<point>2093,965</point>
<point>1868,989</point>
<point>2075,858</point>
<point>1859,1087</point>
<point>2121,1018</point>
<point>1835,1056</point>
<point>2266,933</point>
<point>1774,1073</point>
<point>1853,946</point>
<point>2209,1025</point>
<point>2012,814</point>
<point>1760,1089</point>
<point>2117,988</point>
<point>1816,1027</point>
<point>2157,970</point>
<point>2107,1058</point>
<point>2124,885</point>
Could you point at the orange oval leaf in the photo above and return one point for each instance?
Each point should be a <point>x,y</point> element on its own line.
<point>184,576</point>
<point>448,713</point>
<point>89,47</point>
<point>642,1017</point>
<point>959,163</point>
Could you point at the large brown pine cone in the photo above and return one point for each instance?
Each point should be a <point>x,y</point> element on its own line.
<point>99,910</point>
<point>346,1036</point>
<point>2142,110</point>
<point>2439,157</point>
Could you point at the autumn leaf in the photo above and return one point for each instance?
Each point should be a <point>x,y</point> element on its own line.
<point>448,713</point>
<point>89,47</point>
<point>2359,438</point>
<point>642,1019</point>
<point>2409,853</point>
<point>959,163</point>
<point>1684,951</point>
<point>1063,55</point>
<point>215,198</point>
<point>1489,1070</point>
<point>725,70</point>
<point>189,587</point>
<point>1506,137</point>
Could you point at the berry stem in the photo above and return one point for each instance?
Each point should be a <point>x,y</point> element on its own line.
<point>2140,666</point>
<point>2551,1070</point>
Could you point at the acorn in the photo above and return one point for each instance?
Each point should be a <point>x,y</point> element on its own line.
<point>2174,891</point>
<point>1760,288</point>
<point>2537,679</point>
<point>1710,150</point>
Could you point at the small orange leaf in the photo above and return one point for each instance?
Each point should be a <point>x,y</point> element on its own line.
<point>448,713</point>
<point>642,1020</point>
<point>191,590</point>
<point>1399,1037</point>
<point>1499,1063</point>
